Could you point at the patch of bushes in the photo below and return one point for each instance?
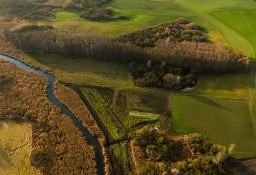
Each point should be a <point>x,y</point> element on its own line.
<point>38,15</point>
<point>17,114</point>
<point>161,76</point>
<point>176,31</point>
<point>29,9</point>
<point>96,14</point>
<point>41,158</point>
<point>35,28</point>
<point>4,79</point>
<point>90,9</point>
<point>159,153</point>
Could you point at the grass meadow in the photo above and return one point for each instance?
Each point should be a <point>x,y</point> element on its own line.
<point>228,85</point>
<point>204,9</point>
<point>223,121</point>
<point>15,147</point>
<point>84,71</point>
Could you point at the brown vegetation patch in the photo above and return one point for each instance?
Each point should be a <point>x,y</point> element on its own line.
<point>65,150</point>
<point>71,99</point>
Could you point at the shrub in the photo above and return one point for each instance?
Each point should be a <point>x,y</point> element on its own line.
<point>96,14</point>
<point>70,5</point>
<point>4,79</point>
<point>41,158</point>
<point>170,80</point>
<point>175,31</point>
<point>35,28</point>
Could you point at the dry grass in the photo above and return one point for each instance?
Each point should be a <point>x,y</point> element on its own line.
<point>52,131</point>
<point>71,99</point>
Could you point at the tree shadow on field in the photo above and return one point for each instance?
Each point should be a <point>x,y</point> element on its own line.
<point>5,161</point>
<point>211,103</point>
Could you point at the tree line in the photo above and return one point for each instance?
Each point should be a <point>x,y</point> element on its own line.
<point>203,57</point>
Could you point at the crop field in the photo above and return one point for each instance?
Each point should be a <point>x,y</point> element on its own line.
<point>15,147</point>
<point>223,121</point>
<point>153,102</point>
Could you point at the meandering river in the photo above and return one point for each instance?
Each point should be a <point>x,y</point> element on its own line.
<point>52,98</point>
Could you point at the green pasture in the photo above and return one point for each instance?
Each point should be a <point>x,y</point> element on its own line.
<point>84,71</point>
<point>202,9</point>
<point>245,26</point>
<point>141,14</point>
<point>241,21</point>
<point>228,85</point>
<point>223,121</point>
<point>209,5</point>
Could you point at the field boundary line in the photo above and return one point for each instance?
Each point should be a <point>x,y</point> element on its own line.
<point>252,116</point>
<point>218,98</point>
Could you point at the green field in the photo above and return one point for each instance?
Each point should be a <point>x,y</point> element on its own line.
<point>84,71</point>
<point>244,21</point>
<point>141,14</point>
<point>15,148</point>
<point>223,121</point>
<point>229,85</point>
<point>204,10</point>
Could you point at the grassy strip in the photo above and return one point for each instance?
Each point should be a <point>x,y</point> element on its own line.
<point>106,115</point>
<point>121,157</point>
<point>223,121</point>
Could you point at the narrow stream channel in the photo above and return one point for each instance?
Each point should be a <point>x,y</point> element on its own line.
<point>52,98</point>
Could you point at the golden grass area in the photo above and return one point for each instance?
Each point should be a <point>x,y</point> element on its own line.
<point>15,148</point>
